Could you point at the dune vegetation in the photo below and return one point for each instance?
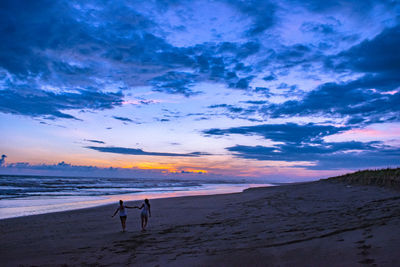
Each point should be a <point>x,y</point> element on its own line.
<point>383,177</point>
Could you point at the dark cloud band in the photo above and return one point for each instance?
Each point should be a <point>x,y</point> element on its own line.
<point>140,152</point>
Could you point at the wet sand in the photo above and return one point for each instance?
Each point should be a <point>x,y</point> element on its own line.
<point>311,224</point>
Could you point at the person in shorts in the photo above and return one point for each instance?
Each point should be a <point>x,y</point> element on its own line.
<point>123,213</point>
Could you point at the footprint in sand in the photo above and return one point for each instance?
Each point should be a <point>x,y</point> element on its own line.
<point>364,252</point>
<point>367,231</point>
<point>367,261</point>
<point>365,247</point>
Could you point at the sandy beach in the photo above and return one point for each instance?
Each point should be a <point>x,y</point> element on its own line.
<point>311,224</point>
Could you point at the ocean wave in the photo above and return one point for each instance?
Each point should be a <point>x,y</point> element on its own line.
<point>20,186</point>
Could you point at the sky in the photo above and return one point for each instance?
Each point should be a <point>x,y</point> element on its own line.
<point>271,90</point>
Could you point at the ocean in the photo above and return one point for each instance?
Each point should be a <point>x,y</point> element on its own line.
<point>30,195</point>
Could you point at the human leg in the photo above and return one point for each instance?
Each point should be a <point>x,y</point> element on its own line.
<point>123,222</point>
<point>144,222</point>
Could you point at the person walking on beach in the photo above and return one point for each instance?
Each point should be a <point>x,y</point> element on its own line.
<point>146,212</point>
<point>123,213</point>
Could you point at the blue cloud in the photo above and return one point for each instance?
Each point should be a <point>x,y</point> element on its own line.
<point>255,102</point>
<point>337,99</point>
<point>288,133</point>
<point>318,28</point>
<point>234,109</point>
<point>263,91</point>
<point>262,12</point>
<point>136,151</point>
<point>20,37</point>
<point>324,6</point>
<point>168,115</point>
<point>124,119</point>
<point>302,152</point>
<point>235,112</point>
<point>115,33</point>
<point>306,143</point>
<point>65,45</point>
<point>270,77</point>
<point>38,53</point>
<point>366,97</point>
<point>374,56</point>
<point>22,100</point>
<point>94,141</point>
<point>325,156</point>
<point>175,83</point>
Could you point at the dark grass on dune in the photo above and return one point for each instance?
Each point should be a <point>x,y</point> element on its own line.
<point>385,177</point>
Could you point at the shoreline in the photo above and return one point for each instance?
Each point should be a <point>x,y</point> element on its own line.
<point>314,223</point>
<point>72,203</point>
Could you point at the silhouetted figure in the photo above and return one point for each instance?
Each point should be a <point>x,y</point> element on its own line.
<point>146,212</point>
<point>123,213</point>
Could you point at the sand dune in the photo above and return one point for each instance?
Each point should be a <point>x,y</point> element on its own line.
<point>385,177</point>
<point>311,224</point>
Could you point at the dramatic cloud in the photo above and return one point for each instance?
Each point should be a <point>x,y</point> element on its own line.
<point>289,132</point>
<point>122,119</point>
<point>262,12</point>
<point>22,100</point>
<point>325,6</point>
<point>70,45</point>
<point>175,83</point>
<point>306,143</point>
<point>374,56</point>
<point>318,28</point>
<point>135,151</point>
<point>94,141</point>
<point>67,47</point>
<point>371,98</point>
<point>325,156</point>
<point>342,100</point>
